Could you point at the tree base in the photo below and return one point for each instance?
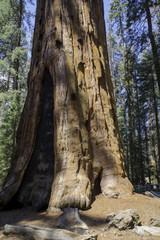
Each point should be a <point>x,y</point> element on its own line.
<point>73,192</point>
<point>71,221</point>
<point>116,186</point>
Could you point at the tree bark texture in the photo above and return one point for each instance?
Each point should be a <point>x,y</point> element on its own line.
<point>153,43</point>
<point>68,133</point>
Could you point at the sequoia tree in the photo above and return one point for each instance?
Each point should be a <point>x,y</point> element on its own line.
<point>68,140</point>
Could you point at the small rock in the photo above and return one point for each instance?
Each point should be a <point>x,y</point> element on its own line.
<point>71,221</point>
<point>154,222</point>
<point>149,194</point>
<point>124,219</point>
<point>110,217</point>
<point>145,231</point>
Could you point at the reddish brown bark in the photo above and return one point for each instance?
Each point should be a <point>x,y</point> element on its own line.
<point>68,134</point>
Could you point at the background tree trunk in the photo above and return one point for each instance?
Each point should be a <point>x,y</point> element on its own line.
<point>153,43</point>
<point>68,134</point>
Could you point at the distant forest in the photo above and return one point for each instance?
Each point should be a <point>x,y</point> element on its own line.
<point>133,38</point>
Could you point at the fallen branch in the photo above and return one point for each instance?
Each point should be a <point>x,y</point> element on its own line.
<point>46,233</point>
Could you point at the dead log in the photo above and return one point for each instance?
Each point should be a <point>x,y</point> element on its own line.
<point>45,233</point>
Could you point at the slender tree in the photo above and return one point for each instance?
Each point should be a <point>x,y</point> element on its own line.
<point>153,43</point>
<point>68,134</point>
<point>138,11</point>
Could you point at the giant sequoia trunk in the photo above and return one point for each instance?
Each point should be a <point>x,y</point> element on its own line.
<point>68,136</point>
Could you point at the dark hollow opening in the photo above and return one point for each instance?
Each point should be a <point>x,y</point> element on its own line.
<point>80,41</point>
<point>58,44</point>
<point>38,49</point>
<point>73,97</point>
<point>40,36</point>
<point>36,184</point>
<point>97,187</point>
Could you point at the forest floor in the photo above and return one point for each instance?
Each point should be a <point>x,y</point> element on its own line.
<point>95,217</point>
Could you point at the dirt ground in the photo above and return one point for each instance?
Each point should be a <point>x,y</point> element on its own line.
<point>147,208</point>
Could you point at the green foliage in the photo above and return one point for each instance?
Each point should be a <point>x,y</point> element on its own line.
<point>10,109</point>
<point>13,45</point>
<point>136,91</point>
<point>14,66</point>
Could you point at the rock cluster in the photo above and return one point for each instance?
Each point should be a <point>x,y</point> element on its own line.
<point>124,219</point>
<point>129,219</point>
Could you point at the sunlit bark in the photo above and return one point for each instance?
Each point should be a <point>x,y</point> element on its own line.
<point>68,134</point>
